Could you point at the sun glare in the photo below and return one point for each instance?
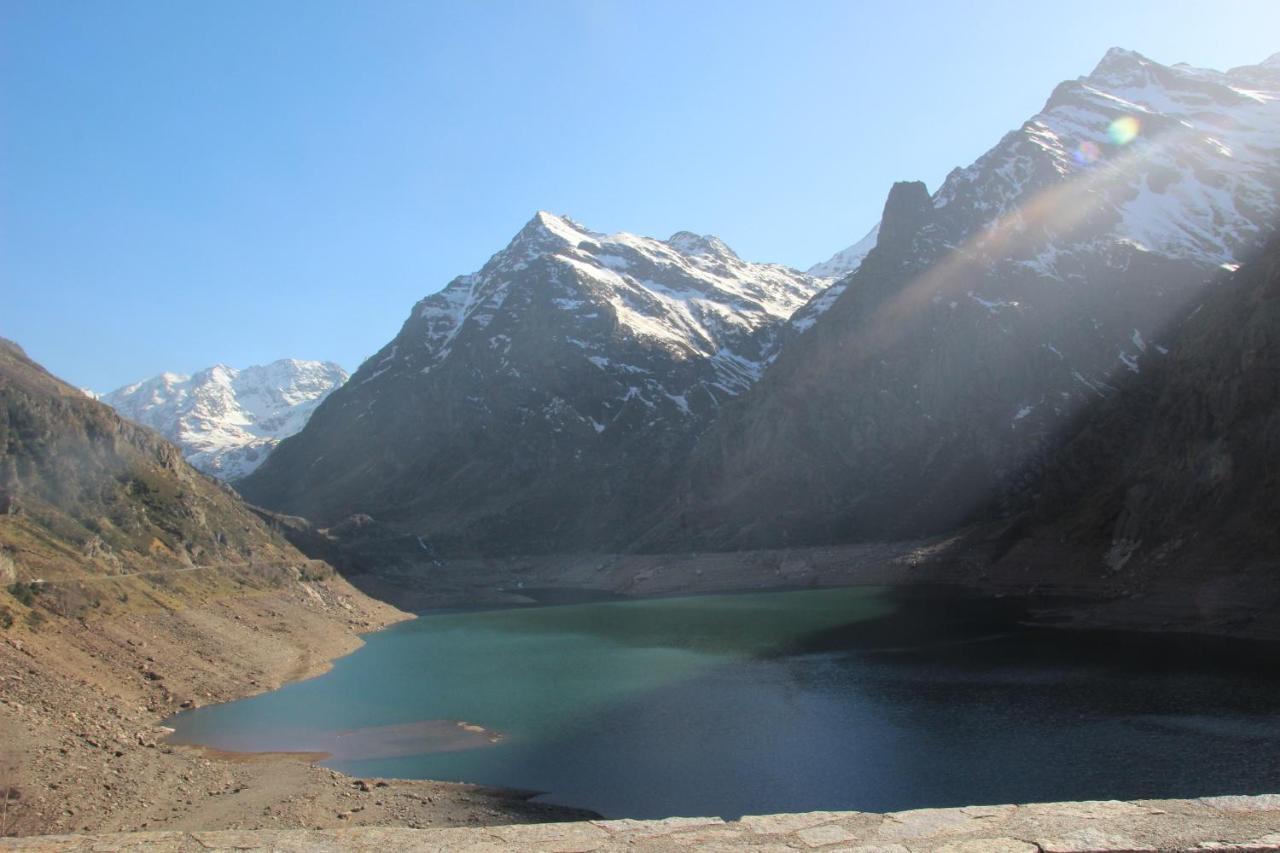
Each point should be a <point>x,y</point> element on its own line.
<point>1124,130</point>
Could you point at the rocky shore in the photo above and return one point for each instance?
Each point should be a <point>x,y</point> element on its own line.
<point>82,748</point>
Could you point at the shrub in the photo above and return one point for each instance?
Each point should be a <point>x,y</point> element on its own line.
<point>314,573</point>
<point>25,593</point>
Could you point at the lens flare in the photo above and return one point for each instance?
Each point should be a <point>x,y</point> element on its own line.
<point>1086,153</point>
<point>1123,130</point>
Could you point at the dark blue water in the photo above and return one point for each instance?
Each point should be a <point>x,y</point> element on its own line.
<point>825,699</point>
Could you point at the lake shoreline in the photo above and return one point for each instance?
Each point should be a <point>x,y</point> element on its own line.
<point>908,568</point>
<point>1072,598</point>
<point>84,704</point>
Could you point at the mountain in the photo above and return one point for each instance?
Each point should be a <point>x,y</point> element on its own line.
<point>847,260</point>
<point>225,420</point>
<point>1199,189</point>
<point>1030,285</point>
<point>532,405</point>
<point>84,491</point>
<point>611,392</point>
<point>1167,493</point>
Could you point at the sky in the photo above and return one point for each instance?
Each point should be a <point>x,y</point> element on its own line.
<point>186,183</point>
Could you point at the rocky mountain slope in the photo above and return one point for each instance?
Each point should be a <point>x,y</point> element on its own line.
<point>86,491</point>
<point>1031,284</point>
<point>534,402</point>
<point>1167,493</point>
<point>225,420</point>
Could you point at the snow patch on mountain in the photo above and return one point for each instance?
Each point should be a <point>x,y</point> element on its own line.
<point>690,296</point>
<point>226,420</point>
<point>847,260</point>
<point>1185,160</point>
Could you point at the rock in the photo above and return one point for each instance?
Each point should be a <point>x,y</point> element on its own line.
<point>821,836</point>
<point>1092,839</point>
<point>784,824</point>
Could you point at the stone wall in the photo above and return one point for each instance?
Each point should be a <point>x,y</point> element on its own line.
<point>1210,823</point>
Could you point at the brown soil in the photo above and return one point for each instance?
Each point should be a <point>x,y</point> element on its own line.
<point>82,700</point>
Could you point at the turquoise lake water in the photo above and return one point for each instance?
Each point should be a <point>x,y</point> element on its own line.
<point>792,701</point>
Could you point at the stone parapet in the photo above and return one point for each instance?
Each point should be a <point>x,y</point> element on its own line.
<point>1241,823</point>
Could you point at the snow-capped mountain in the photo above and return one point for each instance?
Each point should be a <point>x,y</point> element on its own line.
<point>689,297</point>
<point>225,420</point>
<point>841,264</point>
<point>1033,282</point>
<point>847,260</point>
<point>514,400</point>
<point>1183,158</point>
<point>1176,160</point>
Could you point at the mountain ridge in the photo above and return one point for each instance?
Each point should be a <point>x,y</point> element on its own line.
<point>1126,72</point>
<point>569,356</point>
<point>225,419</point>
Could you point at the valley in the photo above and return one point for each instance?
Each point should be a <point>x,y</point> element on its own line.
<point>638,528</point>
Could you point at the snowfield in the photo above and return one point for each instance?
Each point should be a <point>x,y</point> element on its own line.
<point>225,420</point>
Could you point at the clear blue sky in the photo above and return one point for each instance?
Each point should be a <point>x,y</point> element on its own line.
<point>184,183</point>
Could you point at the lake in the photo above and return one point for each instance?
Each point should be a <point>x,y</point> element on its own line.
<point>726,705</point>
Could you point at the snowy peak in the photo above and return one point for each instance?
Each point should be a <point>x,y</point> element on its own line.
<point>1119,62</point>
<point>1176,160</point>
<point>688,243</point>
<point>846,260</point>
<point>690,296</point>
<point>547,231</point>
<point>227,420</point>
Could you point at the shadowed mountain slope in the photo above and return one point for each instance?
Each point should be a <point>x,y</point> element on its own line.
<point>1030,286</point>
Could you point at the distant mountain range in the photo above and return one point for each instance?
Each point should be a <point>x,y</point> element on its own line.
<point>585,392</point>
<point>226,420</point>
<point>613,392</point>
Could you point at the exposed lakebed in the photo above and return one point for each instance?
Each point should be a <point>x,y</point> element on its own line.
<point>790,701</point>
